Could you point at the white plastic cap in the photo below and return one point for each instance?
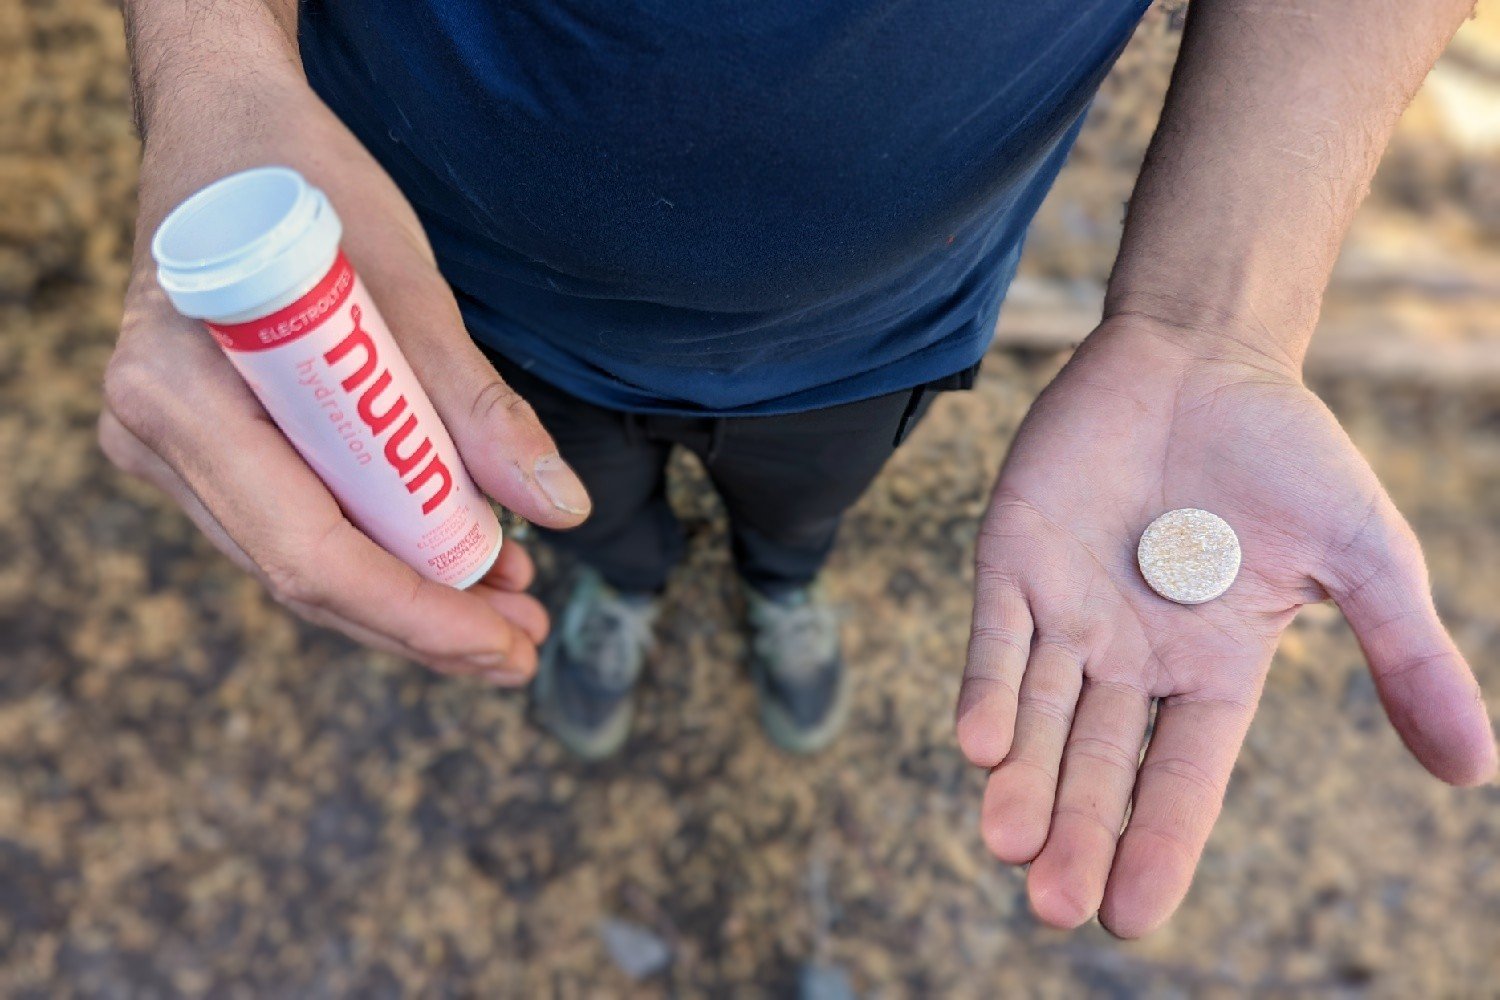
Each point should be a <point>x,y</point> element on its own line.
<point>246,245</point>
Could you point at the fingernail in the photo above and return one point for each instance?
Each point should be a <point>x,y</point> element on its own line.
<point>486,659</point>
<point>500,678</point>
<point>561,484</point>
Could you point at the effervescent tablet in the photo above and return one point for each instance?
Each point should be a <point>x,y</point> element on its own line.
<point>1189,555</point>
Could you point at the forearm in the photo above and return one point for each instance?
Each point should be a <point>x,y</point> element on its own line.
<point>183,54</point>
<point>207,77</point>
<point>1278,113</point>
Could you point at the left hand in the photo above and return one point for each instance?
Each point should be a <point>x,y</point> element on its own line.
<point>1070,647</point>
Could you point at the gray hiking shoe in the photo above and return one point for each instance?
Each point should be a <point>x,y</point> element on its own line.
<point>590,664</point>
<point>798,666</point>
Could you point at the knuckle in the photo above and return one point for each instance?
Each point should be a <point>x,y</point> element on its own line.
<point>1029,769</point>
<point>1105,753</point>
<point>126,383</point>
<point>992,571</point>
<point>291,586</point>
<point>975,675</point>
<point>118,445</point>
<point>286,568</point>
<point>1047,706</point>
<point>497,401</point>
<point>1007,518</point>
<point>1089,815</point>
<point>132,393</point>
<point>1006,637</point>
<point>1064,641</point>
<point>1181,847</point>
<point>1416,663</point>
<point>1406,549</point>
<point>1192,777</point>
<point>994,534</point>
<point>1381,542</point>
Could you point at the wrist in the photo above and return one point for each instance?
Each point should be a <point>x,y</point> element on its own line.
<point>1226,322</point>
<point>211,128</point>
<point>1168,342</point>
<point>1246,280</point>
<point>191,104</point>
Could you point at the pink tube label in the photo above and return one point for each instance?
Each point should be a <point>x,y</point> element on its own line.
<point>329,373</point>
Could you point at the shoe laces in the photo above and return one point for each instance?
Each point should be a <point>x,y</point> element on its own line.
<point>795,638</point>
<point>611,634</point>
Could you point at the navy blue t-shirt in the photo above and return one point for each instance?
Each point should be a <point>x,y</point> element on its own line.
<point>722,206</point>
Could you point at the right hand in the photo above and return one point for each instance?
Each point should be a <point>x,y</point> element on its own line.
<point>178,415</point>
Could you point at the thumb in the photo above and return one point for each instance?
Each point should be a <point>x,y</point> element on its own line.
<point>1427,688</point>
<point>504,446</point>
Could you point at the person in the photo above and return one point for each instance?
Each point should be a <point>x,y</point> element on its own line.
<point>768,233</point>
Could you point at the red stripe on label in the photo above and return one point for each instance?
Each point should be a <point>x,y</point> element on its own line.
<point>290,323</point>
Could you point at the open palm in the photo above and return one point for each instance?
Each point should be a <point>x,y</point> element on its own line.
<point>1070,648</point>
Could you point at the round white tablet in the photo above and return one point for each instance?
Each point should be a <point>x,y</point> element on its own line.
<point>1189,555</point>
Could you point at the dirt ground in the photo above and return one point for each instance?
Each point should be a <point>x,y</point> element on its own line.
<point>200,796</point>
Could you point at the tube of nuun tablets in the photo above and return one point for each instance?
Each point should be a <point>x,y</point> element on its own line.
<point>256,257</point>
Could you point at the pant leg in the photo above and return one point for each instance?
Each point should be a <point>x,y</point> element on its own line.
<point>632,537</point>
<point>787,480</point>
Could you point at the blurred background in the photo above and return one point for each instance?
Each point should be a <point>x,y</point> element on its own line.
<point>199,795</point>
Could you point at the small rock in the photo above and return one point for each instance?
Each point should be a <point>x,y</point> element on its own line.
<point>635,949</point>
<point>824,982</point>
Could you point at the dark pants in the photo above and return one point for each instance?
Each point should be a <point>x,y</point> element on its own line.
<point>785,480</point>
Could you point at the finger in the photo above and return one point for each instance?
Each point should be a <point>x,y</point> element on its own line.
<point>131,455</point>
<point>1066,881</point>
<point>503,444</point>
<point>522,610</point>
<point>317,562</point>
<point>244,485</point>
<point>1177,798</point>
<point>1427,688</point>
<point>513,569</point>
<point>999,643</point>
<point>346,578</point>
<point>1018,799</point>
<point>261,494</point>
<point>516,671</point>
